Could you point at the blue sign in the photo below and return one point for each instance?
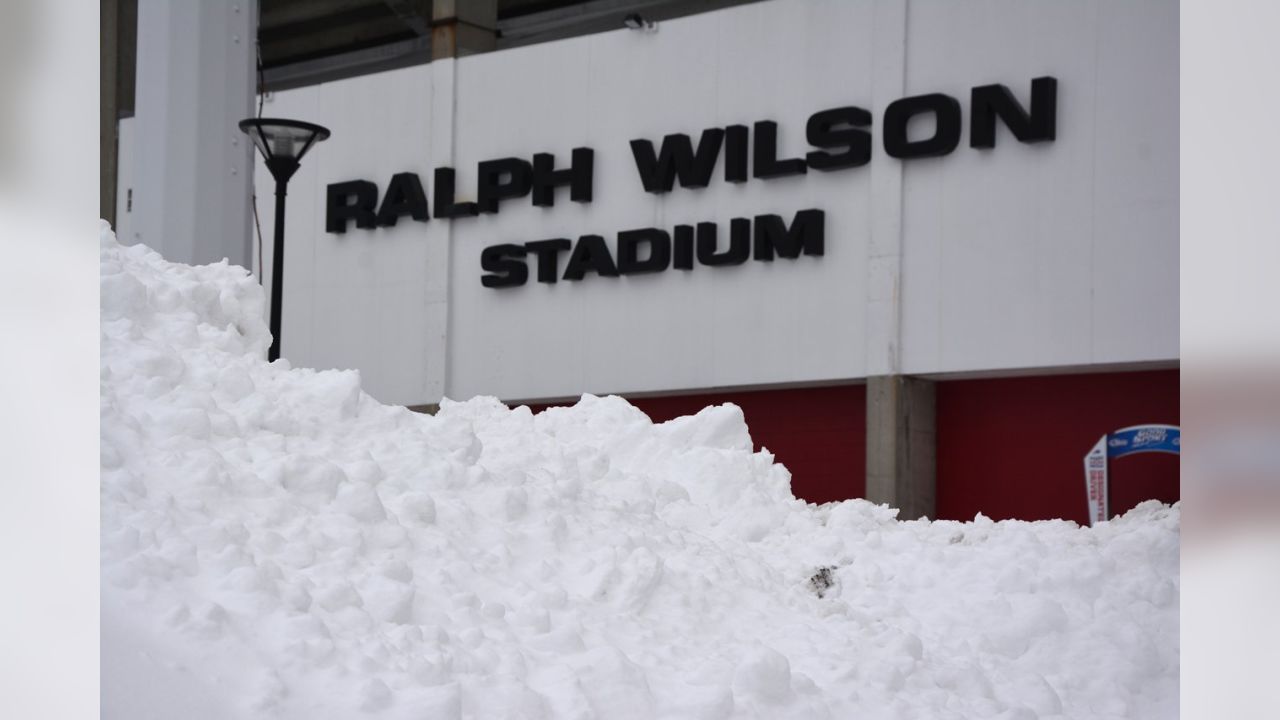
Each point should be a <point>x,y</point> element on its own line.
<point>1144,438</point>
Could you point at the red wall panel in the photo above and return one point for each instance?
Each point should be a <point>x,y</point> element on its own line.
<point>818,433</point>
<point>1014,447</point>
<point>1007,447</point>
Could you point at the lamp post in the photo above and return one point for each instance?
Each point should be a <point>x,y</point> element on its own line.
<point>282,144</point>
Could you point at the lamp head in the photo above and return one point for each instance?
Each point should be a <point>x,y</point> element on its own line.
<point>283,142</point>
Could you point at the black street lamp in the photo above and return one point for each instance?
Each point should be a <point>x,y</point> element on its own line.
<point>282,143</point>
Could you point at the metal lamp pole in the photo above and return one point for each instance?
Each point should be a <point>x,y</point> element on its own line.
<point>282,144</point>
<point>282,175</point>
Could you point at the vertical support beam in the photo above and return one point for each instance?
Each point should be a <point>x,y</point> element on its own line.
<point>884,246</point>
<point>444,101</point>
<point>901,444</point>
<point>108,74</point>
<point>901,448</point>
<point>463,27</point>
<point>126,59</point>
<point>192,165</point>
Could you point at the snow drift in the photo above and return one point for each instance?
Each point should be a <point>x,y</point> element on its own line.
<point>276,543</point>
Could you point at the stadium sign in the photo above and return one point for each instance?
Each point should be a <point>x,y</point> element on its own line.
<point>840,139</point>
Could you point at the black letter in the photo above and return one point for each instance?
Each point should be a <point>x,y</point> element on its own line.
<point>578,176</point>
<point>946,136</point>
<point>739,243</point>
<point>404,197</point>
<point>821,132</point>
<point>507,260</point>
<point>991,101</point>
<point>548,252</point>
<point>445,207</point>
<point>590,254</point>
<point>805,235</point>
<point>493,189</point>
<point>338,211</point>
<point>766,162</point>
<point>684,247</point>
<point>677,158</point>
<point>735,153</point>
<point>629,242</point>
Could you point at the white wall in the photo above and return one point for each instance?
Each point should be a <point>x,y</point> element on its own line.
<point>1057,254</point>
<point>711,326</point>
<point>1060,253</point>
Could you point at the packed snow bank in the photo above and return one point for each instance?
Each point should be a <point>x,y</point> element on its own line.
<point>275,543</point>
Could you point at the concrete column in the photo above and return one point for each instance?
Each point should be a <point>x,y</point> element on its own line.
<point>901,445</point>
<point>901,457</point>
<point>463,27</point>
<point>192,167</point>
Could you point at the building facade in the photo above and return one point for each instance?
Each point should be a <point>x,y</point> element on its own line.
<point>930,248</point>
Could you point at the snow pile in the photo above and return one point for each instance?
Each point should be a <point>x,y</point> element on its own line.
<point>277,544</point>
